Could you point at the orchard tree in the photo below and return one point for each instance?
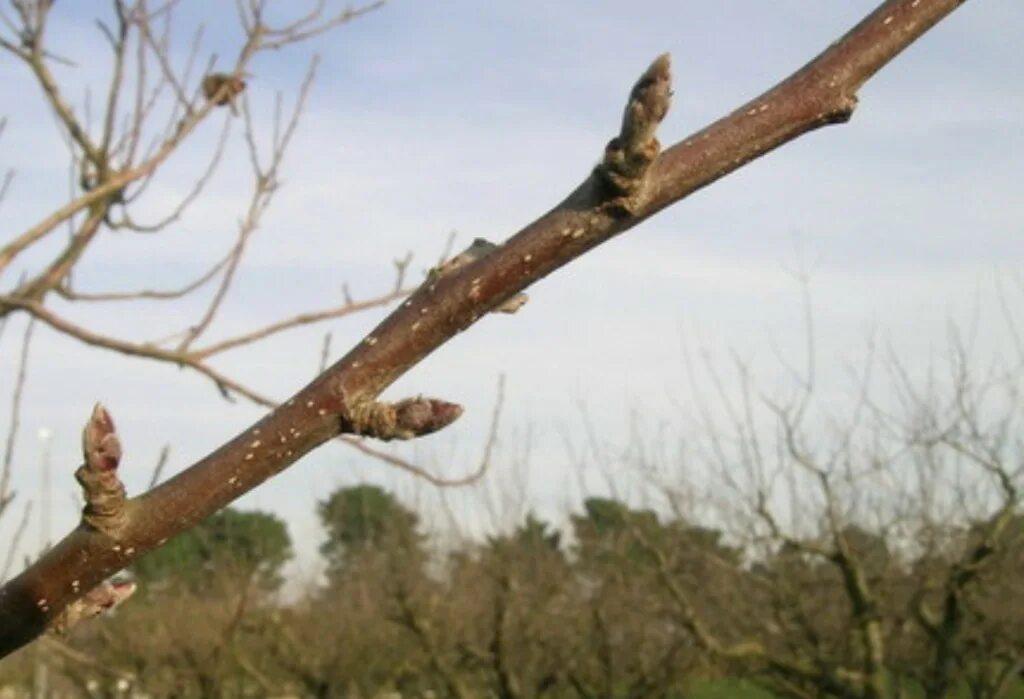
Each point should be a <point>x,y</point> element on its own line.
<point>533,534</point>
<point>366,518</point>
<point>634,179</point>
<point>877,537</point>
<point>231,543</point>
<point>607,530</point>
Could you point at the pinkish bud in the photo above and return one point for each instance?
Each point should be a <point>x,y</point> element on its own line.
<point>101,447</point>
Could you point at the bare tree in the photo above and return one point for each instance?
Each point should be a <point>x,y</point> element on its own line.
<point>634,180</point>
<point>155,109</point>
<point>877,538</point>
<point>152,110</point>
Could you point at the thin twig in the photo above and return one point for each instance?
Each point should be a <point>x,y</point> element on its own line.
<point>301,319</point>
<point>15,417</point>
<point>15,543</point>
<point>161,462</point>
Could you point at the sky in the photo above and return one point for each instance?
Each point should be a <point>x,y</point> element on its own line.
<point>457,116</point>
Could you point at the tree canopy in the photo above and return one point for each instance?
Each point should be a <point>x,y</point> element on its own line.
<point>233,542</point>
<point>363,518</point>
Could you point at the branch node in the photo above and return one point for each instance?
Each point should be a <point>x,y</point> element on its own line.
<point>628,155</point>
<point>477,250</point>
<point>406,419</point>
<point>103,491</point>
<point>105,596</point>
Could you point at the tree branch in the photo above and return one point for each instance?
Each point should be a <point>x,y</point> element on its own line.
<point>823,92</point>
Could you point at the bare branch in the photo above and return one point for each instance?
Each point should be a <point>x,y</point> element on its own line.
<point>264,187</point>
<point>15,542</point>
<point>347,308</point>
<point>821,93</point>
<point>8,177</point>
<point>311,25</point>
<point>15,419</point>
<point>68,293</point>
<point>188,199</point>
<point>161,462</point>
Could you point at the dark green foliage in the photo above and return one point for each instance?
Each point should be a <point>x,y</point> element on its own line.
<point>611,531</point>
<point>606,517</point>
<point>363,518</point>
<point>533,534</point>
<point>232,542</point>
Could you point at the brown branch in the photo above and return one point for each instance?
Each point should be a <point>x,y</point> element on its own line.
<point>419,625</point>
<point>345,309</point>
<point>413,469</point>
<point>247,228</point>
<point>325,352</point>
<point>823,92</point>
<point>225,384</point>
<point>8,177</point>
<point>126,222</point>
<point>228,386</point>
<point>60,107</point>
<point>124,147</point>
<point>163,59</point>
<point>151,294</point>
<point>264,187</point>
<point>104,190</point>
<point>161,462</point>
<point>311,25</point>
<point>946,627</point>
<point>57,271</point>
<point>105,596</point>
<point>5,184</point>
<point>865,616</point>
<point>110,183</point>
<point>835,681</point>
<point>61,648</point>
<point>119,45</point>
<point>858,590</point>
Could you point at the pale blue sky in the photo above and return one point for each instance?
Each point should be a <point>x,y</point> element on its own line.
<point>476,117</point>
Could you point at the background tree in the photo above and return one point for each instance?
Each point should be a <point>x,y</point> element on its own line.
<point>870,535</point>
<point>364,519</point>
<point>533,534</point>
<point>240,545</point>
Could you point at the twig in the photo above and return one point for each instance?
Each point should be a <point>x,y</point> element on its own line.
<point>325,352</point>
<point>15,418</point>
<point>345,309</point>
<point>151,294</point>
<point>197,188</point>
<point>309,26</point>
<point>821,93</point>
<point>15,542</point>
<point>265,186</point>
<point>161,462</point>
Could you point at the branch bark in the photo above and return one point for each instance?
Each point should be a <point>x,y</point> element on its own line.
<point>631,184</point>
